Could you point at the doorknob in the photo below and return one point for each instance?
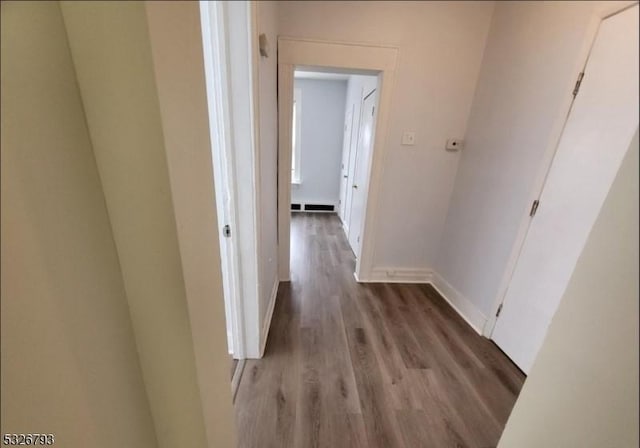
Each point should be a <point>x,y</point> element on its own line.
<point>355,186</point>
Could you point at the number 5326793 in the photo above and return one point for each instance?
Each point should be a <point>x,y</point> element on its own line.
<point>28,439</point>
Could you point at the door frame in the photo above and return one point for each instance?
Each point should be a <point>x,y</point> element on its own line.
<point>547,160</point>
<point>216,71</point>
<point>368,58</point>
<point>232,78</point>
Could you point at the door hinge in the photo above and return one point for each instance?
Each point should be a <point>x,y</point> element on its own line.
<point>499,310</point>
<point>226,231</point>
<point>578,82</point>
<point>534,207</point>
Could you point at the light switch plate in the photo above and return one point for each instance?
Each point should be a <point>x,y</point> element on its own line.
<point>409,138</point>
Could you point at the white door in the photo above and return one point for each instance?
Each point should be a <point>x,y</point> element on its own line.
<point>359,184</point>
<point>219,125</point>
<point>598,132</point>
<point>344,172</point>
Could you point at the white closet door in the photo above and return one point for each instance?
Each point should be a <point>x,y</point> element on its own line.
<point>360,181</point>
<point>346,151</point>
<point>598,132</point>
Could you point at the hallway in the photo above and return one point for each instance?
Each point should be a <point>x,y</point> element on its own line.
<point>368,365</point>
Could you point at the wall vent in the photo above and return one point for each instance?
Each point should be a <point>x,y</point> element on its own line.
<point>313,207</point>
<point>319,207</point>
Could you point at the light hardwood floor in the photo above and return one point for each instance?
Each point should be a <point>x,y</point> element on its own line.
<point>368,365</point>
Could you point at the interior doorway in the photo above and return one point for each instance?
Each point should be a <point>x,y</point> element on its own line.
<point>373,63</point>
<point>596,137</point>
<point>332,136</point>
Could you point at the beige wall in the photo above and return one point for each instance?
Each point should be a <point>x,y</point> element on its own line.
<point>112,56</point>
<point>266,22</point>
<point>441,46</point>
<point>69,361</point>
<point>534,52</point>
<point>583,387</point>
<point>176,42</point>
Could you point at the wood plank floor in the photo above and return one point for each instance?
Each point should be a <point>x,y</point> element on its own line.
<point>368,365</point>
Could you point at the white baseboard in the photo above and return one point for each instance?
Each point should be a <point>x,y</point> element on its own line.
<point>400,275</point>
<point>268,316</point>
<point>463,306</point>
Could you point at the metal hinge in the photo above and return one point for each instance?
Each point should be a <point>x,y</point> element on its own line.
<point>226,231</point>
<point>499,310</point>
<point>578,82</point>
<point>534,207</point>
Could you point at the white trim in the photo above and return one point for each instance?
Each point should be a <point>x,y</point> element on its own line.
<point>545,165</point>
<point>297,97</point>
<point>266,325</point>
<point>400,275</point>
<point>236,378</point>
<point>463,306</point>
<point>219,101</point>
<point>240,29</point>
<point>364,58</point>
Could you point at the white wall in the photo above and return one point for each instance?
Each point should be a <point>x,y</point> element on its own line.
<point>534,52</point>
<point>69,359</point>
<point>266,22</point>
<point>583,387</point>
<point>441,46</point>
<point>321,139</point>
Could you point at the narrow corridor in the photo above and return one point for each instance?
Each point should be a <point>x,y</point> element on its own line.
<point>368,365</point>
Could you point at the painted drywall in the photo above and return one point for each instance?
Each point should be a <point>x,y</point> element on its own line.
<point>322,132</point>
<point>583,387</point>
<point>267,150</point>
<point>69,359</point>
<point>176,44</point>
<point>441,46</point>
<point>111,51</point>
<point>534,52</point>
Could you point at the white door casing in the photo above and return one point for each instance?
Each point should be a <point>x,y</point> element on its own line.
<point>380,60</point>
<point>216,66</point>
<point>603,120</point>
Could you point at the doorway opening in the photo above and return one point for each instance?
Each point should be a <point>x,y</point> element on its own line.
<point>332,136</point>
<point>366,73</point>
